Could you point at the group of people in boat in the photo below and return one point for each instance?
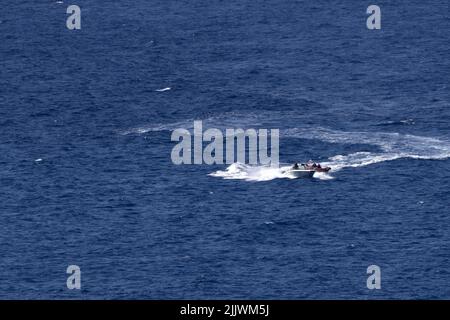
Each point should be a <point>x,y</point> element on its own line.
<point>311,165</point>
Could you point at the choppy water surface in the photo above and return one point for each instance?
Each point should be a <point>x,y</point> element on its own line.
<point>87,179</point>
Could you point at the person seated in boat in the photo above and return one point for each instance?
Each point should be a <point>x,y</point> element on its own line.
<point>319,166</point>
<point>295,167</point>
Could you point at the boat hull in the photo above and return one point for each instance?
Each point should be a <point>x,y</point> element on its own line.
<point>321,169</point>
<point>299,173</point>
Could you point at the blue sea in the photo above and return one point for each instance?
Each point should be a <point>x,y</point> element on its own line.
<point>87,179</point>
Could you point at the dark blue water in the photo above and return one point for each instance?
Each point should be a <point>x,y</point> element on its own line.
<point>373,104</point>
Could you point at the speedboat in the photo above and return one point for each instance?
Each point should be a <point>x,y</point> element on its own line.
<point>307,170</point>
<point>310,165</point>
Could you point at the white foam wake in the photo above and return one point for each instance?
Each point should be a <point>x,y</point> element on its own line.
<point>247,172</point>
<point>239,171</point>
<point>392,146</point>
<point>359,159</point>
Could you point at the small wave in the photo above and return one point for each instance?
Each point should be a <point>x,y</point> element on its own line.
<point>394,123</point>
<point>163,89</point>
<point>158,127</point>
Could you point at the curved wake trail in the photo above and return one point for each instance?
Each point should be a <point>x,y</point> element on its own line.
<point>360,159</point>
<point>393,146</point>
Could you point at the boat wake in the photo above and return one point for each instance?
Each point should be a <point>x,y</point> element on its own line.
<point>240,171</point>
<point>392,146</point>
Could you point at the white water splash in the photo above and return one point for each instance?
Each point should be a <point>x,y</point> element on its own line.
<point>392,145</point>
<point>247,172</point>
<point>163,89</point>
<point>323,176</point>
<point>239,171</point>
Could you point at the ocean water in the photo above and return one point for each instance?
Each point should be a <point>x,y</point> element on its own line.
<point>87,179</point>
